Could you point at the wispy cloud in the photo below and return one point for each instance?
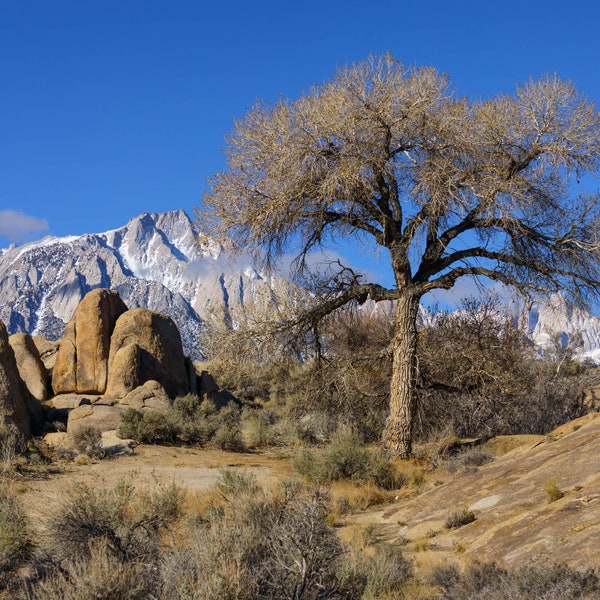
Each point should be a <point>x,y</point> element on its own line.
<point>468,287</point>
<point>208,266</point>
<point>18,227</point>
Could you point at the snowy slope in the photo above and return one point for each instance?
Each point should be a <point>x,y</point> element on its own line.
<point>153,261</point>
<point>557,319</point>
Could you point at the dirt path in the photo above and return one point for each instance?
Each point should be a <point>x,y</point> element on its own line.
<point>190,468</point>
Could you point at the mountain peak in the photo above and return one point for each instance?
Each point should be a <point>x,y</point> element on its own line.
<point>153,261</point>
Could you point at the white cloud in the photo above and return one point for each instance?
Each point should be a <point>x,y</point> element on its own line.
<point>316,260</point>
<point>224,263</point>
<point>468,287</point>
<point>17,226</point>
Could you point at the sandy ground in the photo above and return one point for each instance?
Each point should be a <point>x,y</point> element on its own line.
<point>190,468</point>
<point>515,520</point>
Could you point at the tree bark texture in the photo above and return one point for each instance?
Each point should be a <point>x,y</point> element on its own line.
<point>397,436</point>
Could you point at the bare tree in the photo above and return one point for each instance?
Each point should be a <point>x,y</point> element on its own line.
<point>446,187</point>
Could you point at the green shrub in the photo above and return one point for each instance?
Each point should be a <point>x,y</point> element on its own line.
<point>190,421</point>
<point>187,406</point>
<point>131,425</point>
<point>258,427</point>
<point>346,458</point>
<point>159,428</point>
<point>88,440</point>
<point>197,432</point>
<point>229,439</point>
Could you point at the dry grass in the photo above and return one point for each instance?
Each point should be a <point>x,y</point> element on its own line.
<point>552,490</point>
<point>347,496</point>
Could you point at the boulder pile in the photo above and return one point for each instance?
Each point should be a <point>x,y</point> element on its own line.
<point>108,359</point>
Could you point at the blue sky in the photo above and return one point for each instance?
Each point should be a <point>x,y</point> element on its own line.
<point>113,108</point>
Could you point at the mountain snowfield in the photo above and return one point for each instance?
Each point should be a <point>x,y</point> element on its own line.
<point>155,261</point>
<point>556,317</point>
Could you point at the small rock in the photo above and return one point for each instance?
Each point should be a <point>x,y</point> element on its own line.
<point>115,446</point>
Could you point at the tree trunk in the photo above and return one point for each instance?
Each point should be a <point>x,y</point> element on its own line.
<point>397,435</point>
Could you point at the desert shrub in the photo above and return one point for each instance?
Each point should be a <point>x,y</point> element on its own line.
<point>255,377</point>
<point>386,572</point>
<point>190,421</point>
<point>552,490</point>
<point>131,425</point>
<point>251,544</point>
<point>459,518</point>
<point>158,428</point>
<point>341,375</point>
<point>467,459</point>
<point>311,427</point>
<point>129,521</point>
<point>11,442</point>
<point>381,471</point>
<point>489,581</point>
<point>258,427</point>
<point>228,438</point>
<point>346,458</point>
<point>16,536</point>
<point>300,550</point>
<point>188,406</point>
<point>480,376</point>
<point>99,575</point>
<point>88,440</point>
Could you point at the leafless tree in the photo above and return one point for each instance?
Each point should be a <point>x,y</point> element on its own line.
<point>446,187</point>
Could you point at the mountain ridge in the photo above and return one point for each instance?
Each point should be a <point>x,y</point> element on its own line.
<point>156,261</point>
<point>152,261</point>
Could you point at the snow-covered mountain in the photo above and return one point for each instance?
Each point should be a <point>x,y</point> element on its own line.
<point>567,324</point>
<point>154,261</point>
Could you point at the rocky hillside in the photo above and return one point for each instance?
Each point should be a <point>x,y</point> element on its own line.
<point>154,262</point>
<point>539,502</point>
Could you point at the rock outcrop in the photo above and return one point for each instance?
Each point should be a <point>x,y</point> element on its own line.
<point>13,393</point>
<point>146,345</point>
<point>82,360</point>
<point>110,358</point>
<point>31,368</point>
<point>150,396</point>
<point>98,416</point>
<point>48,350</point>
<point>124,373</point>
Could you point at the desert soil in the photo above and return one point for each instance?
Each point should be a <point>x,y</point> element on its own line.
<point>515,521</point>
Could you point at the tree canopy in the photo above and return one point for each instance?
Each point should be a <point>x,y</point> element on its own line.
<point>392,157</point>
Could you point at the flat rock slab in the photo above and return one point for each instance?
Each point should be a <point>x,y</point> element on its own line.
<point>151,396</point>
<point>59,439</point>
<point>71,401</point>
<point>115,446</point>
<point>516,521</point>
<point>102,417</point>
